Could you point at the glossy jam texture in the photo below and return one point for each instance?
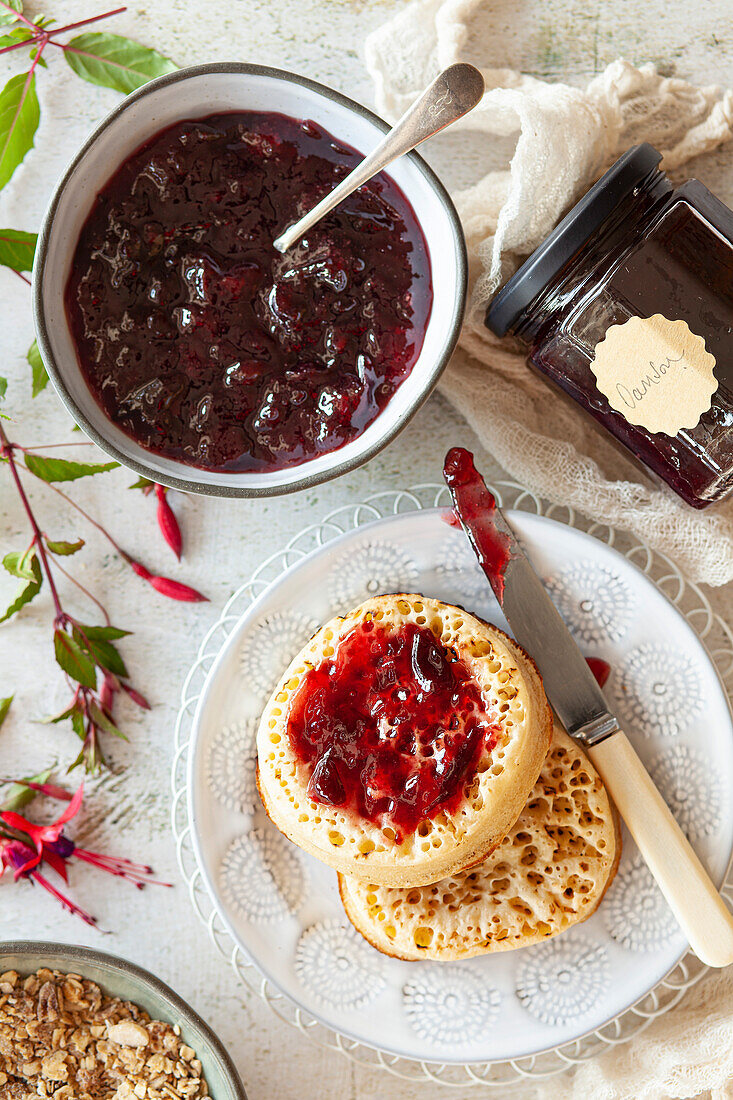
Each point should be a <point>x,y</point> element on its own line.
<point>206,345</point>
<point>475,511</point>
<point>392,727</point>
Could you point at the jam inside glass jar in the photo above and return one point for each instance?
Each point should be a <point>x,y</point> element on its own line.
<point>601,304</point>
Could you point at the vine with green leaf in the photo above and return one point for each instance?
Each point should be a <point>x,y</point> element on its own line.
<point>87,653</point>
<point>109,60</point>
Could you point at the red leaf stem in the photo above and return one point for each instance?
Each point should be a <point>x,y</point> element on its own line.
<point>173,589</point>
<point>54,446</point>
<point>84,22</point>
<point>50,790</point>
<point>83,589</point>
<point>43,40</point>
<point>52,32</point>
<point>21,45</point>
<point>90,519</point>
<point>6,450</point>
<point>19,15</point>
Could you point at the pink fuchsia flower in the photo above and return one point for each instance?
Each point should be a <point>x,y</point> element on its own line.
<point>42,836</point>
<point>48,844</point>
<point>17,856</point>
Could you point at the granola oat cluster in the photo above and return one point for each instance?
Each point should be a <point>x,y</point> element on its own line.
<point>62,1037</point>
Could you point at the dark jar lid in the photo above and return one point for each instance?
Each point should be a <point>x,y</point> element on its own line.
<point>570,235</point>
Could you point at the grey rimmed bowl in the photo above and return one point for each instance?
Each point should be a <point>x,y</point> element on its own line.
<point>120,978</point>
<point>192,93</point>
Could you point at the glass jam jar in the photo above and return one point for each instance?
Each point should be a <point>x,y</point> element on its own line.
<point>628,307</point>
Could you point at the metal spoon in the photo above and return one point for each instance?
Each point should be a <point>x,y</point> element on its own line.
<point>451,95</point>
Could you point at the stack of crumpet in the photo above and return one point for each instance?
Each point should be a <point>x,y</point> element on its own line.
<point>406,746</point>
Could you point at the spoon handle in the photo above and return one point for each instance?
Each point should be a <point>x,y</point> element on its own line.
<point>452,94</point>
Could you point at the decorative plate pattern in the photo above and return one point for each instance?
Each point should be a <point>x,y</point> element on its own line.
<point>593,600</point>
<point>262,877</point>
<point>337,965</point>
<point>459,568</point>
<point>268,652</point>
<point>371,569</point>
<point>449,1005</point>
<point>391,1028</point>
<point>231,766</point>
<point>658,689</point>
<point>691,787</point>
<point>636,914</point>
<point>561,980</point>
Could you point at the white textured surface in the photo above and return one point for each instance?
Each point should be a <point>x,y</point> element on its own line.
<point>225,540</point>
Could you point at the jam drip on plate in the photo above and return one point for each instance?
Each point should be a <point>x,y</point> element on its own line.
<point>600,669</point>
<point>392,727</point>
<point>203,343</point>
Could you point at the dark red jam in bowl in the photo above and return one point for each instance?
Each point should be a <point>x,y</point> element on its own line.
<point>392,727</point>
<point>207,346</point>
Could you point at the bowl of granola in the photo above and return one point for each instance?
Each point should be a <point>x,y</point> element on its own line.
<point>79,1024</point>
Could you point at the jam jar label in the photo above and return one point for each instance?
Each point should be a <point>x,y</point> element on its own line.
<point>657,373</point>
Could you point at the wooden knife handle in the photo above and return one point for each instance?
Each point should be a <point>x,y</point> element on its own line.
<point>703,915</point>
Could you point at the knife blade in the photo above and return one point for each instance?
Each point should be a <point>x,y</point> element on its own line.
<point>581,706</point>
<point>534,620</point>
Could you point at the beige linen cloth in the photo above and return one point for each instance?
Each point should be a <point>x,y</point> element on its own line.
<point>561,139</point>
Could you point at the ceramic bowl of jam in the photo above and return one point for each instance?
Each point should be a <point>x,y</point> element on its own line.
<point>190,349</point>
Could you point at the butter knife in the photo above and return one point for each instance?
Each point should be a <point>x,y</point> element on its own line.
<point>581,707</point>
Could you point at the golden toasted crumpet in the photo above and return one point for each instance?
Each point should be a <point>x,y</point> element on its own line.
<point>549,873</point>
<point>333,804</point>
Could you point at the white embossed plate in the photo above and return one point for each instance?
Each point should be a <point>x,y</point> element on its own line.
<point>282,908</point>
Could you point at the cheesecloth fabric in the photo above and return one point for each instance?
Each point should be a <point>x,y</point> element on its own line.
<point>555,141</point>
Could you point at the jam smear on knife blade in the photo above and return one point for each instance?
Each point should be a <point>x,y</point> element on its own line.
<point>475,506</point>
<point>473,509</point>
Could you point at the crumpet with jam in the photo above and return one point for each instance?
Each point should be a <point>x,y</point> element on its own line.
<point>402,742</point>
